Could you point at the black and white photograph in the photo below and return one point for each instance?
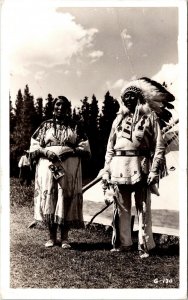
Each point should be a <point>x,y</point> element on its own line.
<point>93,149</point>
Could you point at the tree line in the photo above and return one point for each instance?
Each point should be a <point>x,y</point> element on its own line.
<point>29,113</point>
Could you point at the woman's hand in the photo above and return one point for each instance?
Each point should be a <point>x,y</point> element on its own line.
<point>43,152</point>
<point>51,156</point>
<point>66,155</point>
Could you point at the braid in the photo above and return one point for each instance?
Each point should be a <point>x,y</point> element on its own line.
<point>54,125</point>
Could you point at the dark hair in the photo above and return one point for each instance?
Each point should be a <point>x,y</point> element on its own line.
<point>67,104</point>
<point>64,99</point>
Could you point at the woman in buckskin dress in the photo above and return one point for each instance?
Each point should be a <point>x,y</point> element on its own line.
<point>135,160</point>
<point>58,148</point>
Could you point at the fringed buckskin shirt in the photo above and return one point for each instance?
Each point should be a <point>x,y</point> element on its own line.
<point>144,138</point>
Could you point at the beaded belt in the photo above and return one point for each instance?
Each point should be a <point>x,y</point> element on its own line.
<point>132,152</point>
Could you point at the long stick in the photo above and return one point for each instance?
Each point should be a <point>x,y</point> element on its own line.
<point>98,213</point>
<point>90,184</point>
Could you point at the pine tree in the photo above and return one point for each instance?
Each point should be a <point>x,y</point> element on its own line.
<point>25,121</point>
<point>109,111</point>
<point>39,111</point>
<point>16,135</point>
<point>48,108</point>
<point>94,115</point>
<point>18,129</point>
<point>76,116</point>
<point>12,119</point>
<point>85,113</point>
<point>29,117</point>
<point>93,135</point>
<point>19,106</point>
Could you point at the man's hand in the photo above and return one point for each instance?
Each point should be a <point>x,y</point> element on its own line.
<point>105,184</point>
<point>152,178</point>
<point>105,188</point>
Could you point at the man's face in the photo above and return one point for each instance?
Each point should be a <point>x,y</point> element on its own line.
<point>130,100</point>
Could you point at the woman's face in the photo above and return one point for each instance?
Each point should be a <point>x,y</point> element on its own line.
<point>60,109</point>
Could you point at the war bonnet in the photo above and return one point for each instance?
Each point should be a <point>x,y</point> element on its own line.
<point>152,97</point>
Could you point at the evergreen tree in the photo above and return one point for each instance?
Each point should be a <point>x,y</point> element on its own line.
<point>18,129</point>
<point>109,110</point>
<point>85,114</point>
<point>29,118</point>
<point>94,116</point>
<point>76,116</point>
<point>12,119</point>
<point>19,106</point>
<point>16,135</point>
<point>83,117</point>
<point>48,108</point>
<point>39,111</point>
<point>25,116</point>
<point>93,135</point>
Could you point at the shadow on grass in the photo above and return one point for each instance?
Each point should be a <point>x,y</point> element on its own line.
<point>90,246</point>
<point>172,250</point>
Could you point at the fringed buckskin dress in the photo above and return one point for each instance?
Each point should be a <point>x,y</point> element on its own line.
<point>58,199</point>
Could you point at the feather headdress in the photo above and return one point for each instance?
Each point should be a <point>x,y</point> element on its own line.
<point>153,97</point>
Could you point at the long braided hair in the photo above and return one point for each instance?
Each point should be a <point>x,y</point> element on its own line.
<point>67,119</point>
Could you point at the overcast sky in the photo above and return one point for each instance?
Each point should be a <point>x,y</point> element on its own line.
<point>81,51</point>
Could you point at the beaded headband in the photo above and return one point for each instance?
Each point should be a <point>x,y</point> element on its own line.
<point>154,94</point>
<point>133,89</point>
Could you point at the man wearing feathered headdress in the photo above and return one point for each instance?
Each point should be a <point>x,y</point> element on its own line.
<point>135,159</point>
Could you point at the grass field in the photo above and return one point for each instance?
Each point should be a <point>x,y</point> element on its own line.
<point>89,264</point>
